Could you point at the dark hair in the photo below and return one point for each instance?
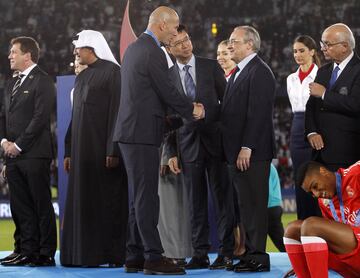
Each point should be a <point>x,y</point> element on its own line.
<point>306,169</point>
<point>310,43</point>
<point>28,45</point>
<point>182,28</point>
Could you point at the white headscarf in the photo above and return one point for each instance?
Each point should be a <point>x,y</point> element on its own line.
<point>95,40</point>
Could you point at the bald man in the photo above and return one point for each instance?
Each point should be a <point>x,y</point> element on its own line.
<point>333,110</point>
<point>146,92</point>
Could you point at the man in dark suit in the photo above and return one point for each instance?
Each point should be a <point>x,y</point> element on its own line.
<point>332,114</point>
<point>248,141</point>
<point>197,145</point>
<point>146,91</point>
<point>26,140</point>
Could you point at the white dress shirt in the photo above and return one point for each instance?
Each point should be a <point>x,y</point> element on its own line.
<point>299,91</point>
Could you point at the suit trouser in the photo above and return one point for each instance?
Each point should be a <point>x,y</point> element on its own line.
<point>30,199</point>
<point>197,176</point>
<point>142,167</point>
<point>252,189</point>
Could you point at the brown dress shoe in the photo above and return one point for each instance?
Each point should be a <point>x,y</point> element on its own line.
<point>222,262</point>
<point>163,266</point>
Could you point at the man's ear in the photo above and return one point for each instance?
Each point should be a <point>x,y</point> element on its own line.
<point>162,25</point>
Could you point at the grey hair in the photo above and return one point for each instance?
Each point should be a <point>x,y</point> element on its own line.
<point>251,34</point>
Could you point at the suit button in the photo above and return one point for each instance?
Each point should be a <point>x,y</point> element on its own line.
<point>321,109</point>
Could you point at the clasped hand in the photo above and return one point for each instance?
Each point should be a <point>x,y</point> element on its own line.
<point>199,111</point>
<point>316,89</point>
<point>10,149</point>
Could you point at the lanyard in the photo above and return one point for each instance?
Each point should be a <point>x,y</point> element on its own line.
<point>341,204</point>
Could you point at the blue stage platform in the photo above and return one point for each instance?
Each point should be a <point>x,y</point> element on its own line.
<point>279,265</point>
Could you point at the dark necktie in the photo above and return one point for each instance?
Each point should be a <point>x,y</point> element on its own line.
<point>334,76</point>
<point>232,77</point>
<point>189,84</point>
<point>16,85</point>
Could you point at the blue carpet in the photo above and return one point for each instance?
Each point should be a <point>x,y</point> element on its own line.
<point>279,265</point>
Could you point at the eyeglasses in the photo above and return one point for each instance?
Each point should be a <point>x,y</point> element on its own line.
<point>232,41</point>
<point>182,42</point>
<point>326,45</point>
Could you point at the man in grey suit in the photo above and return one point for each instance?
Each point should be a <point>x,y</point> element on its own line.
<point>197,145</point>
<point>146,92</point>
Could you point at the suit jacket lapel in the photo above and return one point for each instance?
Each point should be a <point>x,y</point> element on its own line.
<point>23,85</point>
<point>198,76</point>
<point>346,71</point>
<point>176,77</point>
<point>231,89</point>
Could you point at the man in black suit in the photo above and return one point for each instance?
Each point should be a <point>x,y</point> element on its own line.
<point>26,140</point>
<point>197,145</point>
<point>146,91</point>
<point>248,141</point>
<point>332,114</point>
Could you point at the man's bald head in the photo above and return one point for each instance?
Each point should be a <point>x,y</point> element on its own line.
<point>161,14</point>
<point>337,42</point>
<point>343,33</point>
<point>163,23</point>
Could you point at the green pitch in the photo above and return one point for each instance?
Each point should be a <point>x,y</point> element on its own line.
<point>7,229</point>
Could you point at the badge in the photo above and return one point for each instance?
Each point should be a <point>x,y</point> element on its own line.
<point>343,91</point>
<point>26,92</point>
<point>350,191</point>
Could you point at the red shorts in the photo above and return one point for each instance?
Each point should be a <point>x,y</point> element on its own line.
<point>348,265</point>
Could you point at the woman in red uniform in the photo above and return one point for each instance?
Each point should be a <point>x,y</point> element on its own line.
<point>332,241</point>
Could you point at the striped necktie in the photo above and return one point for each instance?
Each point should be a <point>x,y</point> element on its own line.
<point>16,85</point>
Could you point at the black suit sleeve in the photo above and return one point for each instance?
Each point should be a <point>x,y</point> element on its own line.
<point>165,89</point>
<point>310,123</point>
<point>170,145</point>
<point>43,104</point>
<point>260,105</point>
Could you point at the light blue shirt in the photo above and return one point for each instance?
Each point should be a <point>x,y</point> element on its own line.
<point>147,31</point>
<point>275,198</point>
<point>243,64</point>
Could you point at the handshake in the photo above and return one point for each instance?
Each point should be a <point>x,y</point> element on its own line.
<point>199,111</point>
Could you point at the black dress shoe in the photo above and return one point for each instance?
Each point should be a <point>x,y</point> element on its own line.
<point>179,261</point>
<point>134,266</point>
<point>11,257</point>
<point>163,266</point>
<point>222,262</point>
<point>250,266</point>
<point>43,261</point>
<point>198,263</point>
<point>20,261</point>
